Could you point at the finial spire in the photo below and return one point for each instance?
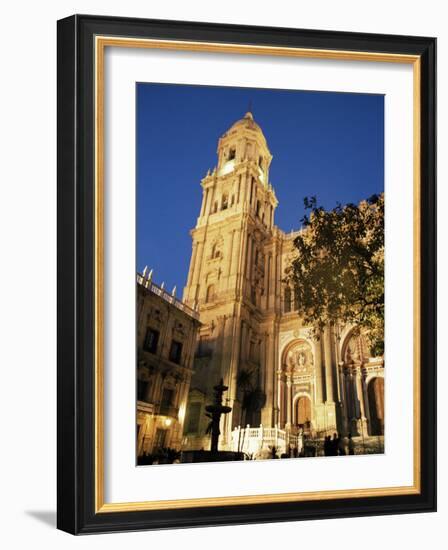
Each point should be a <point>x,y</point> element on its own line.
<point>249,114</point>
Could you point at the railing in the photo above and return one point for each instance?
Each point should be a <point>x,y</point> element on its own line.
<point>159,291</point>
<point>258,442</point>
<point>254,440</point>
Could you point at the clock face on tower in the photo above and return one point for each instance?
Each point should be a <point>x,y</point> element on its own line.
<point>227,168</point>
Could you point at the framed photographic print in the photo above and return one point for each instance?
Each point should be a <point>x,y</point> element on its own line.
<point>246,274</point>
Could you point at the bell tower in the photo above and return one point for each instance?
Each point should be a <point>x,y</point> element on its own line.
<point>227,279</point>
<point>238,200</point>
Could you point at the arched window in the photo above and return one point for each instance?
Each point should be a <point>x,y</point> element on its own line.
<point>210,293</point>
<point>287,305</point>
<point>224,202</point>
<point>257,211</point>
<point>232,154</point>
<point>215,207</point>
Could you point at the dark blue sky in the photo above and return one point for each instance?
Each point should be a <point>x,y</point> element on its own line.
<point>326,144</point>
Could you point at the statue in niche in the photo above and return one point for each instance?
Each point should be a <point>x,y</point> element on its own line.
<point>299,360</point>
<point>216,250</point>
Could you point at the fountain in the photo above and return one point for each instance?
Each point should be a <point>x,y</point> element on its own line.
<point>214,412</point>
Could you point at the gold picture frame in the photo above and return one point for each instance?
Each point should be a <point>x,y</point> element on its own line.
<point>81,35</point>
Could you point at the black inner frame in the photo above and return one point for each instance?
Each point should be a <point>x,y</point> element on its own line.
<point>76,391</point>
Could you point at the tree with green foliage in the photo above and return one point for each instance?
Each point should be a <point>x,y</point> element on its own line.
<point>338,270</point>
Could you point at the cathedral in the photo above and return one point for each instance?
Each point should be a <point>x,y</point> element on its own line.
<point>279,377</point>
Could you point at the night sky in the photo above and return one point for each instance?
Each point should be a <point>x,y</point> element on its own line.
<point>326,144</point>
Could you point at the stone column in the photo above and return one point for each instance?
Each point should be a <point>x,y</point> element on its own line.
<point>353,402</point>
<point>247,343</point>
<point>267,288</point>
<point>366,401</point>
<point>275,278</point>
<point>204,202</point>
<point>348,399</point>
<point>210,196</point>
<point>230,254</point>
<point>288,401</point>
<point>233,371</point>
<point>265,283</point>
<point>328,366</point>
<point>226,373</point>
<point>248,256</point>
<point>360,395</point>
<point>272,280</point>
<point>235,250</point>
<point>343,395</point>
<point>192,263</point>
<point>280,398</point>
<point>198,261</point>
<point>270,371</point>
<point>262,359</point>
<point>318,370</point>
<point>243,341</point>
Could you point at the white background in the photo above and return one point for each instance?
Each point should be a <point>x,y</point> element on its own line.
<point>125,483</point>
<point>28,270</point>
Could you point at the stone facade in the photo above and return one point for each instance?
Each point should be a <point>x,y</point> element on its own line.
<point>251,335</point>
<point>166,342</point>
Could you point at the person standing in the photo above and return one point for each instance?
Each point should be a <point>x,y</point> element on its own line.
<point>342,446</point>
<point>327,445</point>
<point>334,445</point>
<point>351,445</point>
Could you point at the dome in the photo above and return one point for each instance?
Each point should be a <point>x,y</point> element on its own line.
<point>246,122</point>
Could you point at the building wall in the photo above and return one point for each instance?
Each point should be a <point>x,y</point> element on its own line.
<point>166,343</point>
<point>251,334</point>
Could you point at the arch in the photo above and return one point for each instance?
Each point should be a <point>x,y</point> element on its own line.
<point>375,393</point>
<point>298,360</point>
